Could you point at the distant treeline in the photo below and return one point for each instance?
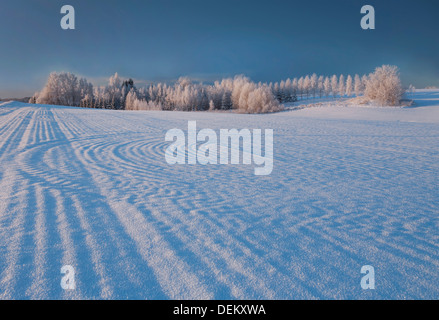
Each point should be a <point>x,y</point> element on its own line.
<point>238,93</point>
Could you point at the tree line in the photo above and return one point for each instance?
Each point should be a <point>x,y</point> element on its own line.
<point>239,93</point>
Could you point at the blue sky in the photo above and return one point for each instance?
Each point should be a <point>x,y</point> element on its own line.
<point>162,40</point>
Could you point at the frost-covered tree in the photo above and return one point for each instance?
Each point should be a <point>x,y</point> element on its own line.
<point>260,100</point>
<point>288,90</point>
<point>60,89</point>
<point>130,100</point>
<point>321,86</point>
<point>87,93</point>
<point>226,100</point>
<point>276,91</point>
<point>85,88</point>
<point>87,101</point>
<point>307,85</point>
<point>358,85</point>
<point>341,86</point>
<point>127,86</point>
<point>184,82</point>
<point>211,105</point>
<point>327,86</point>
<point>313,81</point>
<point>349,86</point>
<point>295,86</point>
<point>283,94</point>
<point>34,98</point>
<point>364,82</point>
<point>334,85</point>
<point>300,87</point>
<point>384,86</point>
<point>113,93</point>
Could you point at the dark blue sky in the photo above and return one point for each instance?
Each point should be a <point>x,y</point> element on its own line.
<point>267,40</point>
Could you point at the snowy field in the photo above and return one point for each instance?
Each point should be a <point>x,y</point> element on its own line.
<point>351,186</point>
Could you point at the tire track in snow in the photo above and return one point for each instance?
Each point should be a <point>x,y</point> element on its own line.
<point>106,292</point>
<point>129,268</point>
<point>172,273</point>
<point>134,158</point>
<point>25,160</point>
<point>14,131</point>
<point>139,157</point>
<point>15,212</point>
<point>39,289</point>
<point>12,237</point>
<point>67,210</point>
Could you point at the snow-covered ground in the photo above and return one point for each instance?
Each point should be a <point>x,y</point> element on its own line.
<point>351,186</point>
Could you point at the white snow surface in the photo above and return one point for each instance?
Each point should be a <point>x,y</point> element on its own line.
<point>351,186</point>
